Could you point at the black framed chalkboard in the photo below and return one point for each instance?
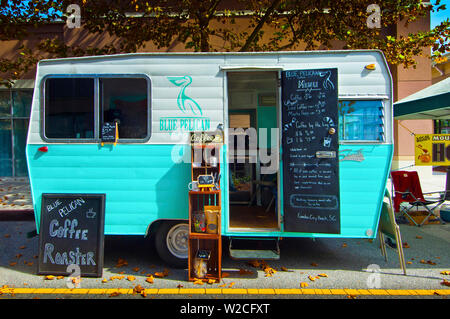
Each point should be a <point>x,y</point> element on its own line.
<point>309,151</point>
<point>71,233</point>
<point>108,133</point>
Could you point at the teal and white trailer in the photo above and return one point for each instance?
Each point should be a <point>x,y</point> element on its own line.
<point>158,97</point>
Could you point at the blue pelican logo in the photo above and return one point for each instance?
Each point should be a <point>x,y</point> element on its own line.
<point>183,101</point>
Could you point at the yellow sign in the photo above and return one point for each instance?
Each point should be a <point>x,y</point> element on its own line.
<point>432,149</point>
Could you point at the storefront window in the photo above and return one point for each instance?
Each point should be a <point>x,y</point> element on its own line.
<point>15,107</point>
<point>21,101</point>
<point>361,120</point>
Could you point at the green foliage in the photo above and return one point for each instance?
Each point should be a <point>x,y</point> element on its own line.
<point>220,25</point>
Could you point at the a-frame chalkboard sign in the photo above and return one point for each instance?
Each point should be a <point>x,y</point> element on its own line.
<point>71,233</point>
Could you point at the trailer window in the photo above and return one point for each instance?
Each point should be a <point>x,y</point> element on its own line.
<point>69,108</point>
<point>361,120</point>
<point>125,101</point>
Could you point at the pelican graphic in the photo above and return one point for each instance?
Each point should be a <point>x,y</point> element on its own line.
<point>184,101</point>
<point>327,84</point>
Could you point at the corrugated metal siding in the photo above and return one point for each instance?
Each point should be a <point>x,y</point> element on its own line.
<point>141,182</point>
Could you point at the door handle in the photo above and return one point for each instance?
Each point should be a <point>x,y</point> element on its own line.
<point>326,154</point>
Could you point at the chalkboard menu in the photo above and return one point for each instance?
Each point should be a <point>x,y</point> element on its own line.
<point>108,133</point>
<point>309,151</point>
<point>71,233</point>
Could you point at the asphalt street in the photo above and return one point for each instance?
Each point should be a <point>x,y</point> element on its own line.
<point>321,268</point>
<point>305,263</point>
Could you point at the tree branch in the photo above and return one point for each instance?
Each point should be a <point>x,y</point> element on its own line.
<point>261,23</point>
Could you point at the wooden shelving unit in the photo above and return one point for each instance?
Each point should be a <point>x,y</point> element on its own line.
<point>205,243</point>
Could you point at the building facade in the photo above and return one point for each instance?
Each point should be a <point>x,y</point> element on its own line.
<point>15,103</point>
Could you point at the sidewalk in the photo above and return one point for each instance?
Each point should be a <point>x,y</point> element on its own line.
<point>15,198</point>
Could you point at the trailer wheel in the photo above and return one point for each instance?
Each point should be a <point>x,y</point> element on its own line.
<point>171,243</point>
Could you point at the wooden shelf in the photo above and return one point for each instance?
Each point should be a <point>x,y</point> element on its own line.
<point>215,192</point>
<point>204,235</point>
<point>198,200</point>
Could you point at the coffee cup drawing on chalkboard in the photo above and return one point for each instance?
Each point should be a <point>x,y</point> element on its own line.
<point>90,213</point>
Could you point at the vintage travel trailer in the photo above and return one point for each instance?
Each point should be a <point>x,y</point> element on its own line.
<point>307,141</point>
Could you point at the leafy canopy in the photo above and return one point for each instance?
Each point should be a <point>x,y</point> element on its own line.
<point>221,25</point>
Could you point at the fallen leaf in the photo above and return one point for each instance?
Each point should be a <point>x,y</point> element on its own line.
<point>269,271</point>
<point>344,245</point>
<point>221,286</point>
<point>136,269</point>
<point>49,277</point>
<point>405,245</point>
<point>131,278</point>
<point>323,275</point>
<point>60,277</point>
<point>18,255</point>
<point>198,282</point>
<point>7,236</point>
<point>225,275</point>
<point>121,262</point>
<point>115,294</point>
<point>254,263</point>
<point>179,286</point>
<point>419,237</point>
<point>445,272</point>
<point>285,269</point>
<point>12,264</point>
<point>75,280</point>
<point>409,262</point>
<point>104,280</point>
<point>314,264</point>
<point>303,285</point>
<point>311,278</point>
<point>231,284</point>
<point>163,274</point>
<point>445,283</point>
<point>138,289</point>
<point>351,296</point>
<point>211,281</point>
<point>150,279</point>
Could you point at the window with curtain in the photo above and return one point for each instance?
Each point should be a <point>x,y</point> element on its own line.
<point>361,120</point>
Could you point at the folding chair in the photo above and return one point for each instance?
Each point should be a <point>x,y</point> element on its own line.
<point>407,189</point>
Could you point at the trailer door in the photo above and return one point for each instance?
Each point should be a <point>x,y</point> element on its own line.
<point>310,161</point>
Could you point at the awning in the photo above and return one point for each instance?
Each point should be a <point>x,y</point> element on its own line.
<point>432,102</point>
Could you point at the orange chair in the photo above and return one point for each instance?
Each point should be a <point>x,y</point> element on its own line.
<point>407,189</point>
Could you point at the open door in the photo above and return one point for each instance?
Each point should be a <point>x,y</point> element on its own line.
<point>310,161</point>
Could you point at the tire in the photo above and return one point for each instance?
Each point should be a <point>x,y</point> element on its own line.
<point>171,243</point>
